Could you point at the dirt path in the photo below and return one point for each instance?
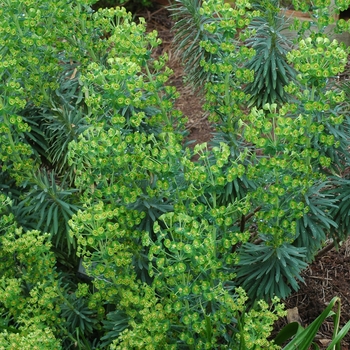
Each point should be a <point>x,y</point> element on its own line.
<point>189,102</point>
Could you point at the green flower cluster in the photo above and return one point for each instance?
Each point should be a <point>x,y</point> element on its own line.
<point>189,258</point>
<point>31,338</point>
<point>34,301</point>
<point>149,323</point>
<point>129,85</point>
<point>283,154</point>
<point>258,324</point>
<point>192,265</point>
<point>97,227</point>
<point>28,291</point>
<point>226,69</point>
<point>318,58</point>
<point>323,13</point>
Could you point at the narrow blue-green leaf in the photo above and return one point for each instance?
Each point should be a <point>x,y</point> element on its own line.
<point>63,204</point>
<point>55,220</point>
<point>49,215</point>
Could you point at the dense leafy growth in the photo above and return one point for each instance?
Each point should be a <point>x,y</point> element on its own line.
<point>116,235</point>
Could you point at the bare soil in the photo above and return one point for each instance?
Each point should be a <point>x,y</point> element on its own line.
<point>325,278</point>
<point>189,102</point>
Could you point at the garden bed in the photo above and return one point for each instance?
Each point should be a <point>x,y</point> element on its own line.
<point>115,232</point>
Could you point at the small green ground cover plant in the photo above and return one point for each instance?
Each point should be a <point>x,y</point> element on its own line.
<point>112,236</point>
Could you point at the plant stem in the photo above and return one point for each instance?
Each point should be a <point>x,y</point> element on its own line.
<point>159,100</point>
<point>245,218</point>
<point>308,138</point>
<point>214,230</point>
<point>10,138</point>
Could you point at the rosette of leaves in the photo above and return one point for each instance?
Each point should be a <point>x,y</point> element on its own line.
<point>114,324</point>
<point>265,270</point>
<point>316,225</point>
<point>79,320</point>
<point>271,69</point>
<point>48,206</point>
<point>189,32</point>
<point>58,121</point>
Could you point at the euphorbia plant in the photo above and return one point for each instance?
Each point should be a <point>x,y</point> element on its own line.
<point>167,244</point>
<point>302,148</point>
<point>180,262</point>
<point>262,169</point>
<point>271,171</point>
<point>36,307</point>
<point>291,150</point>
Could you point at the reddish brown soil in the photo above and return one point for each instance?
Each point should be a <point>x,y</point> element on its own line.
<point>189,102</point>
<point>328,276</point>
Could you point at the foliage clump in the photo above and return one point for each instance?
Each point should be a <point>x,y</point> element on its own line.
<point>114,233</point>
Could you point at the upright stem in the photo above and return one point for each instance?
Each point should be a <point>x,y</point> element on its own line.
<point>309,122</point>
<point>227,89</point>
<point>10,138</point>
<point>213,237</point>
<point>159,100</point>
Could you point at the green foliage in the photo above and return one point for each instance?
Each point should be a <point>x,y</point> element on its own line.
<point>115,323</point>
<point>177,253</point>
<point>35,305</point>
<point>58,121</point>
<point>189,33</point>
<point>289,174</point>
<point>271,44</point>
<point>130,5</point>
<point>26,288</point>
<point>31,338</point>
<point>47,208</point>
<point>261,29</point>
<point>262,262</point>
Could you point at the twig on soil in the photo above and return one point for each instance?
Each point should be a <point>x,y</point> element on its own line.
<point>150,14</point>
<point>325,250</point>
<point>321,278</point>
